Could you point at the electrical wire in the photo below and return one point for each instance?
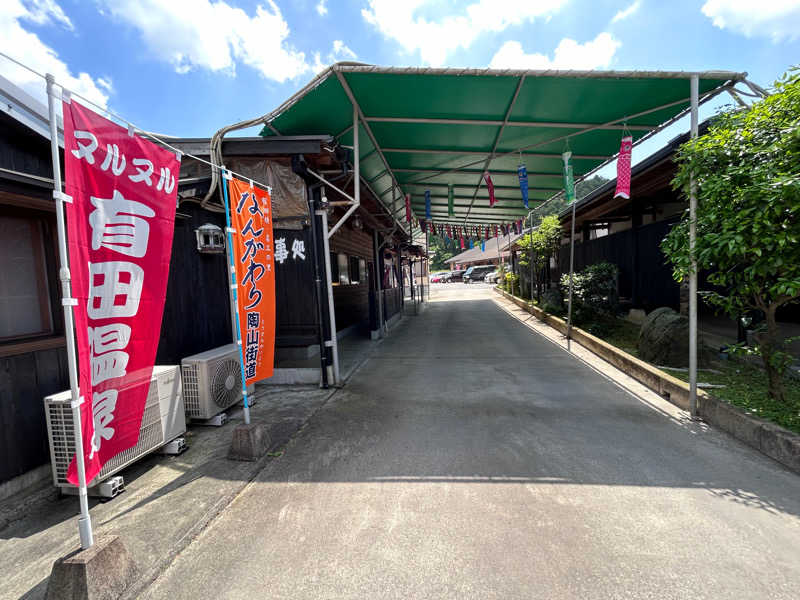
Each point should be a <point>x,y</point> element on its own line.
<point>158,138</point>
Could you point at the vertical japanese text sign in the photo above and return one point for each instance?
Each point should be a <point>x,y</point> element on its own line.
<point>120,224</point>
<point>254,256</point>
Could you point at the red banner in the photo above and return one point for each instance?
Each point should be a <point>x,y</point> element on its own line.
<point>120,224</point>
<point>254,256</point>
<point>624,168</point>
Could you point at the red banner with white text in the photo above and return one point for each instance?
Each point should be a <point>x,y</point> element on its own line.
<point>254,256</point>
<point>120,224</point>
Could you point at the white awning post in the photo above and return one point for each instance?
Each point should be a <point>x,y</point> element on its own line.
<point>694,86</point>
<point>84,521</point>
<point>331,312</point>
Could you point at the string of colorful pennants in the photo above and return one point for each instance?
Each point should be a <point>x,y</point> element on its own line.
<point>467,234</point>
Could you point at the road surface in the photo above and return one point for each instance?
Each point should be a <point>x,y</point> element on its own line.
<point>470,457</point>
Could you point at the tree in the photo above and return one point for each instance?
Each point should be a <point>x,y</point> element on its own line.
<point>747,169</point>
<point>540,245</point>
<point>440,252</point>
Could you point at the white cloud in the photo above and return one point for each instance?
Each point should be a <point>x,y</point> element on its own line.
<point>777,19</point>
<point>569,54</point>
<point>322,10</point>
<point>342,52</point>
<point>44,12</point>
<point>213,35</point>
<point>626,12</point>
<point>339,51</point>
<point>27,48</point>
<point>400,20</point>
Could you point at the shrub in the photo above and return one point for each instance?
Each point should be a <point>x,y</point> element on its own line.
<point>511,282</point>
<point>594,291</point>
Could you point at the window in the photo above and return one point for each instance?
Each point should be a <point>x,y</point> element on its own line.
<point>24,297</point>
<point>362,271</point>
<point>343,270</point>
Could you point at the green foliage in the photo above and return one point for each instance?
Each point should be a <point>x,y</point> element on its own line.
<point>542,243</point>
<point>747,173</point>
<point>594,291</point>
<point>441,252</point>
<point>511,283</point>
<point>539,246</point>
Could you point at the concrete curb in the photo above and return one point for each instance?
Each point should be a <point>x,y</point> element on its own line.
<point>772,440</point>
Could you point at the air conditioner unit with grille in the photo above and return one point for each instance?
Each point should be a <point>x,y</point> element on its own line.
<point>163,420</point>
<point>212,381</point>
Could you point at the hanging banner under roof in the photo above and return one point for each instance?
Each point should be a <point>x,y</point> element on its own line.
<point>428,204</point>
<point>451,211</point>
<point>490,187</point>
<point>522,173</point>
<point>120,224</point>
<point>624,168</point>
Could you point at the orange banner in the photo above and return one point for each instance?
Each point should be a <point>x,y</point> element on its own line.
<point>251,219</point>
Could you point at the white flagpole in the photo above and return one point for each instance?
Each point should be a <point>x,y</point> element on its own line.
<point>67,301</point>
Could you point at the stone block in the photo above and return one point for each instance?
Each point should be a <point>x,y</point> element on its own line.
<point>102,572</point>
<point>781,445</point>
<point>250,442</point>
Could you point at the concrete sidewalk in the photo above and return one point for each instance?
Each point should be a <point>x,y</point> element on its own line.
<point>167,500</point>
<point>471,457</point>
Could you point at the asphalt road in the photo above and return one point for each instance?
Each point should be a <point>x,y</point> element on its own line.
<point>470,457</point>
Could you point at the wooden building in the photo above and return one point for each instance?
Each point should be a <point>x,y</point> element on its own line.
<point>197,309</point>
<point>628,232</point>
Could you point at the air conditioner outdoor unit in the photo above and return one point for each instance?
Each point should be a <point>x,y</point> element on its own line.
<point>163,420</point>
<point>212,381</point>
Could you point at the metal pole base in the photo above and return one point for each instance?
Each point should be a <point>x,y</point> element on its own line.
<point>85,529</point>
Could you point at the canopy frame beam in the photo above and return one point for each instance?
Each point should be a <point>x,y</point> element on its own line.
<point>506,123</point>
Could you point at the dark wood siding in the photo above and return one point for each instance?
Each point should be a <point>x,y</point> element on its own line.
<point>651,284</point>
<point>296,309</point>
<point>351,302</point>
<point>196,310</point>
<point>25,379</point>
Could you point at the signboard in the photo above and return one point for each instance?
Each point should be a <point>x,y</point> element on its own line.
<point>120,224</point>
<point>255,253</point>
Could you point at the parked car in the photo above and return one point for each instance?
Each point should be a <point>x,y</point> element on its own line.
<point>438,277</point>
<point>456,276</point>
<point>477,273</point>
<point>491,277</point>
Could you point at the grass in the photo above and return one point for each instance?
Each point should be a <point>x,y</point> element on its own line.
<point>746,387</point>
<point>745,383</point>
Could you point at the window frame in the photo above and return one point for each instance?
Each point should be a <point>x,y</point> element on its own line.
<point>41,231</point>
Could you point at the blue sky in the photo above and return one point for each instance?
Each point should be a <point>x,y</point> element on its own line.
<point>188,67</point>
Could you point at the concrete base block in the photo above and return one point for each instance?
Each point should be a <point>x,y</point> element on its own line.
<point>102,572</point>
<point>250,442</point>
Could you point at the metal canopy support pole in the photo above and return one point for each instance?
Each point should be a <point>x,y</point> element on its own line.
<point>378,291</point>
<point>530,248</point>
<point>84,521</point>
<point>427,280</point>
<point>694,85</point>
<point>323,381</point>
<point>571,275</point>
<point>331,343</point>
<point>234,295</point>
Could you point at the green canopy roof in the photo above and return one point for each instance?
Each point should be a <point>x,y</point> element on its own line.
<point>426,129</point>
